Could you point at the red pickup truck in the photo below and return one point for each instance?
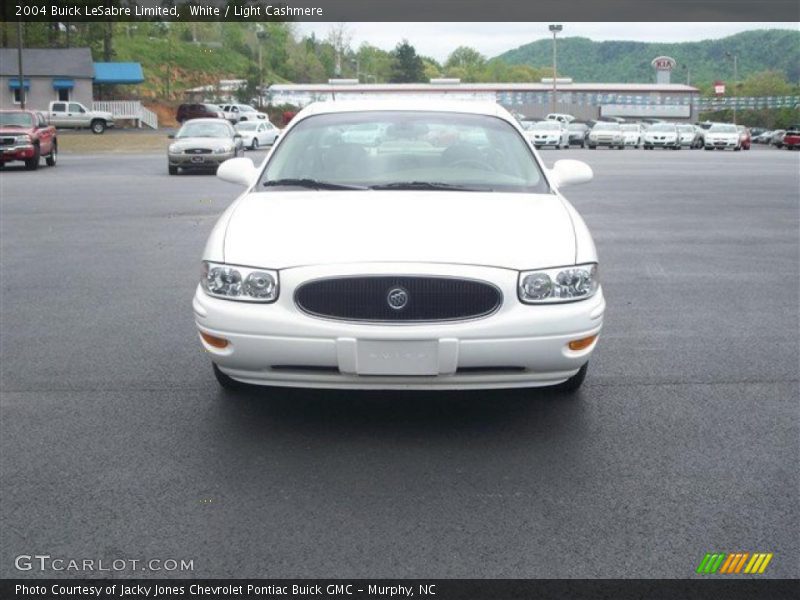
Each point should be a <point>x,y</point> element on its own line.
<point>25,135</point>
<point>791,139</point>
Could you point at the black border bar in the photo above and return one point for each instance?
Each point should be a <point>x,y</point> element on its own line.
<point>437,589</point>
<point>411,10</point>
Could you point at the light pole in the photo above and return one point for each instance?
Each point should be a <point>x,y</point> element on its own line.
<point>555,29</point>
<point>20,74</point>
<point>261,35</point>
<point>735,80</point>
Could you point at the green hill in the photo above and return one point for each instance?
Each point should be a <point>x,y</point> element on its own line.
<point>629,62</point>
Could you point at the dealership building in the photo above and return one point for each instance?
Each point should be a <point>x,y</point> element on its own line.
<point>672,101</point>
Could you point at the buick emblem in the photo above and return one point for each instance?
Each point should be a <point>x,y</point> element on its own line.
<point>397,298</point>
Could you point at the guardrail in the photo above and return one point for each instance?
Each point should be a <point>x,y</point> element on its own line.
<point>128,109</point>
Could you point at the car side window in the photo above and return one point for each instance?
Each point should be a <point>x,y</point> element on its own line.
<point>75,108</point>
<point>59,107</point>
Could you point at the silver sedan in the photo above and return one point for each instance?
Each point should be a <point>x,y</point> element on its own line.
<point>202,145</point>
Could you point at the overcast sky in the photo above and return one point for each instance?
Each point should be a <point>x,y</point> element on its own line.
<point>439,39</point>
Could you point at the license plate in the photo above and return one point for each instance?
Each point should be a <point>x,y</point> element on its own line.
<point>397,357</point>
<point>198,159</point>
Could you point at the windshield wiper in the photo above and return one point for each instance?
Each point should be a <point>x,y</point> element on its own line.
<point>312,184</point>
<point>423,185</point>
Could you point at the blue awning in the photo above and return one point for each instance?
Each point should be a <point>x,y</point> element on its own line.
<point>14,83</point>
<point>118,72</point>
<point>63,84</point>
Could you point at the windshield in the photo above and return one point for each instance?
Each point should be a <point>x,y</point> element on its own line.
<point>16,119</point>
<point>723,129</point>
<point>630,127</point>
<point>246,126</point>
<point>547,126</point>
<point>204,129</point>
<point>607,127</point>
<point>662,127</point>
<point>406,150</point>
<point>686,128</point>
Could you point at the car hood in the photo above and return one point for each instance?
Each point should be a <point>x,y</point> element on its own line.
<point>9,131</point>
<point>285,229</point>
<point>201,142</point>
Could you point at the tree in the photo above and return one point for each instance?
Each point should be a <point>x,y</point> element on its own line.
<point>407,66</point>
<point>466,63</point>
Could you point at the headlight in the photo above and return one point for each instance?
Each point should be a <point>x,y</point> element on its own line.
<point>22,139</point>
<point>224,150</point>
<point>246,284</point>
<point>563,284</point>
<point>173,149</point>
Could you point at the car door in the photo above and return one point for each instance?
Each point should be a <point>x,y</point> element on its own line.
<point>45,134</point>
<point>58,114</point>
<point>261,135</point>
<point>76,115</point>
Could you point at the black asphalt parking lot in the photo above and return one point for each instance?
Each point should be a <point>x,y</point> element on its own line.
<point>116,442</point>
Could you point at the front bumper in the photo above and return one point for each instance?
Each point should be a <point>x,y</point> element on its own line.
<point>662,143</point>
<point>20,152</point>
<point>198,161</point>
<point>517,346</point>
<point>605,142</point>
<point>721,143</point>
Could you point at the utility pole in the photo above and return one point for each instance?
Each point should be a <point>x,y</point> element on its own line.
<point>261,35</point>
<point>555,29</point>
<point>21,75</point>
<point>735,80</point>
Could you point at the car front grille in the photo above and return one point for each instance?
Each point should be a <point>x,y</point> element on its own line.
<point>7,141</point>
<point>387,298</point>
<point>197,151</point>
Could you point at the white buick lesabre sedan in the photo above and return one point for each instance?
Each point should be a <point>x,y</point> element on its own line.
<point>441,256</point>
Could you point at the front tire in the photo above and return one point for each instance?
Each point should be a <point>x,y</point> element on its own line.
<point>254,145</point>
<point>573,384</point>
<point>52,157</point>
<point>32,163</point>
<point>98,126</point>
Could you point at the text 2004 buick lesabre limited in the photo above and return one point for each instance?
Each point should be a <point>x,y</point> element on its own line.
<point>438,253</point>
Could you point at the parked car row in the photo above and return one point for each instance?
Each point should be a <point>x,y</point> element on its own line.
<point>648,134</point>
<point>780,138</point>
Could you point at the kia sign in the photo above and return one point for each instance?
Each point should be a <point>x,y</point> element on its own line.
<point>663,63</point>
<point>719,88</point>
<point>663,66</point>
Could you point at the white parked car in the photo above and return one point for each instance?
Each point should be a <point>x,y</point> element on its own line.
<point>406,265</point>
<point>632,134</point>
<point>606,133</point>
<point>662,135</point>
<point>257,133</point>
<point>549,133</point>
<point>242,112</point>
<point>721,136</point>
<point>564,118</point>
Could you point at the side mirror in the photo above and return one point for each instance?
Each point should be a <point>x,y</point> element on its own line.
<point>238,170</point>
<point>171,136</point>
<point>237,135</point>
<point>570,172</point>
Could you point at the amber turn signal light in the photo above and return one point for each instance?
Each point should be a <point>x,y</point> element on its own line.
<point>213,340</point>
<point>582,343</point>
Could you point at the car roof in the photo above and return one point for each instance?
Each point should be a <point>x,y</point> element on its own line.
<point>400,104</point>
